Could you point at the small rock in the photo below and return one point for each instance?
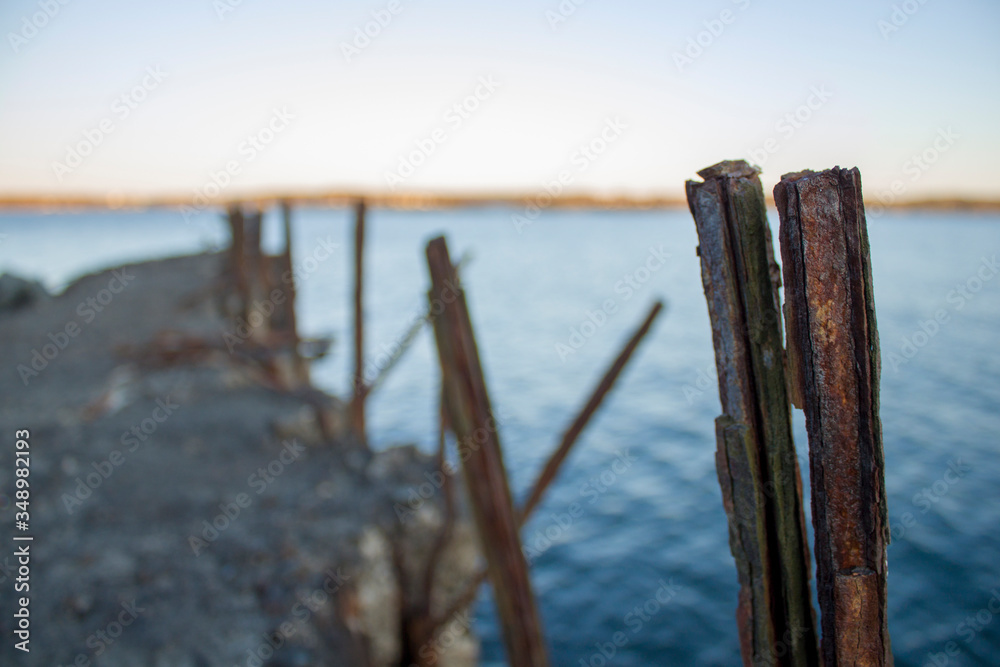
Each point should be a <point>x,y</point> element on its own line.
<point>17,293</point>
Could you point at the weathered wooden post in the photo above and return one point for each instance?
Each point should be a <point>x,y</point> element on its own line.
<point>474,425</point>
<point>834,348</point>
<point>756,462</point>
<point>359,394</point>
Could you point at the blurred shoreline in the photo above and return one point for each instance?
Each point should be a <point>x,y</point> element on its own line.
<point>418,201</point>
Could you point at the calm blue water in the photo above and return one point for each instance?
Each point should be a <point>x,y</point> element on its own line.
<point>660,518</point>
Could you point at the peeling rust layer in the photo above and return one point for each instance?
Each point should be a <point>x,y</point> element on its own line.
<point>470,416</point>
<point>756,461</point>
<point>833,341</point>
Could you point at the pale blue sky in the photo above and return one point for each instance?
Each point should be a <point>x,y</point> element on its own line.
<point>884,97</point>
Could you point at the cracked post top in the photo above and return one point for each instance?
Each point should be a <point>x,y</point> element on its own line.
<point>731,168</point>
<point>809,173</point>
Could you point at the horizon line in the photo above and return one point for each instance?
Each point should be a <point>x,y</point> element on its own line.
<point>420,200</point>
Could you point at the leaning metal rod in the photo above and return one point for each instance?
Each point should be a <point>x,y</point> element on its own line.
<point>555,461</point>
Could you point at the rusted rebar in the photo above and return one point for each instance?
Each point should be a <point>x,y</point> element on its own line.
<point>582,418</point>
<point>253,225</point>
<point>358,384</point>
<point>237,253</point>
<point>474,425</point>
<point>407,340</point>
<point>558,456</point>
<point>755,458</point>
<point>833,338</point>
<point>286,271</point>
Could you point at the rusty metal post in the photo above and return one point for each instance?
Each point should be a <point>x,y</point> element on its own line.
<point>255,270</point>
<point>358,383</point>
<point>833,340</point>
<point>237,254</point>
<point>290,316</point>
<point>474,425</point>
<point>558,456</point>
<point>756,462</point>
<point>582,418</point>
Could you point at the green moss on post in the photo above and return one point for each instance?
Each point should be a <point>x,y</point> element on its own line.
<point>756,460</point>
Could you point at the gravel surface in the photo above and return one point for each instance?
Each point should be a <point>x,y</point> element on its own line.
<point>184,514</point>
